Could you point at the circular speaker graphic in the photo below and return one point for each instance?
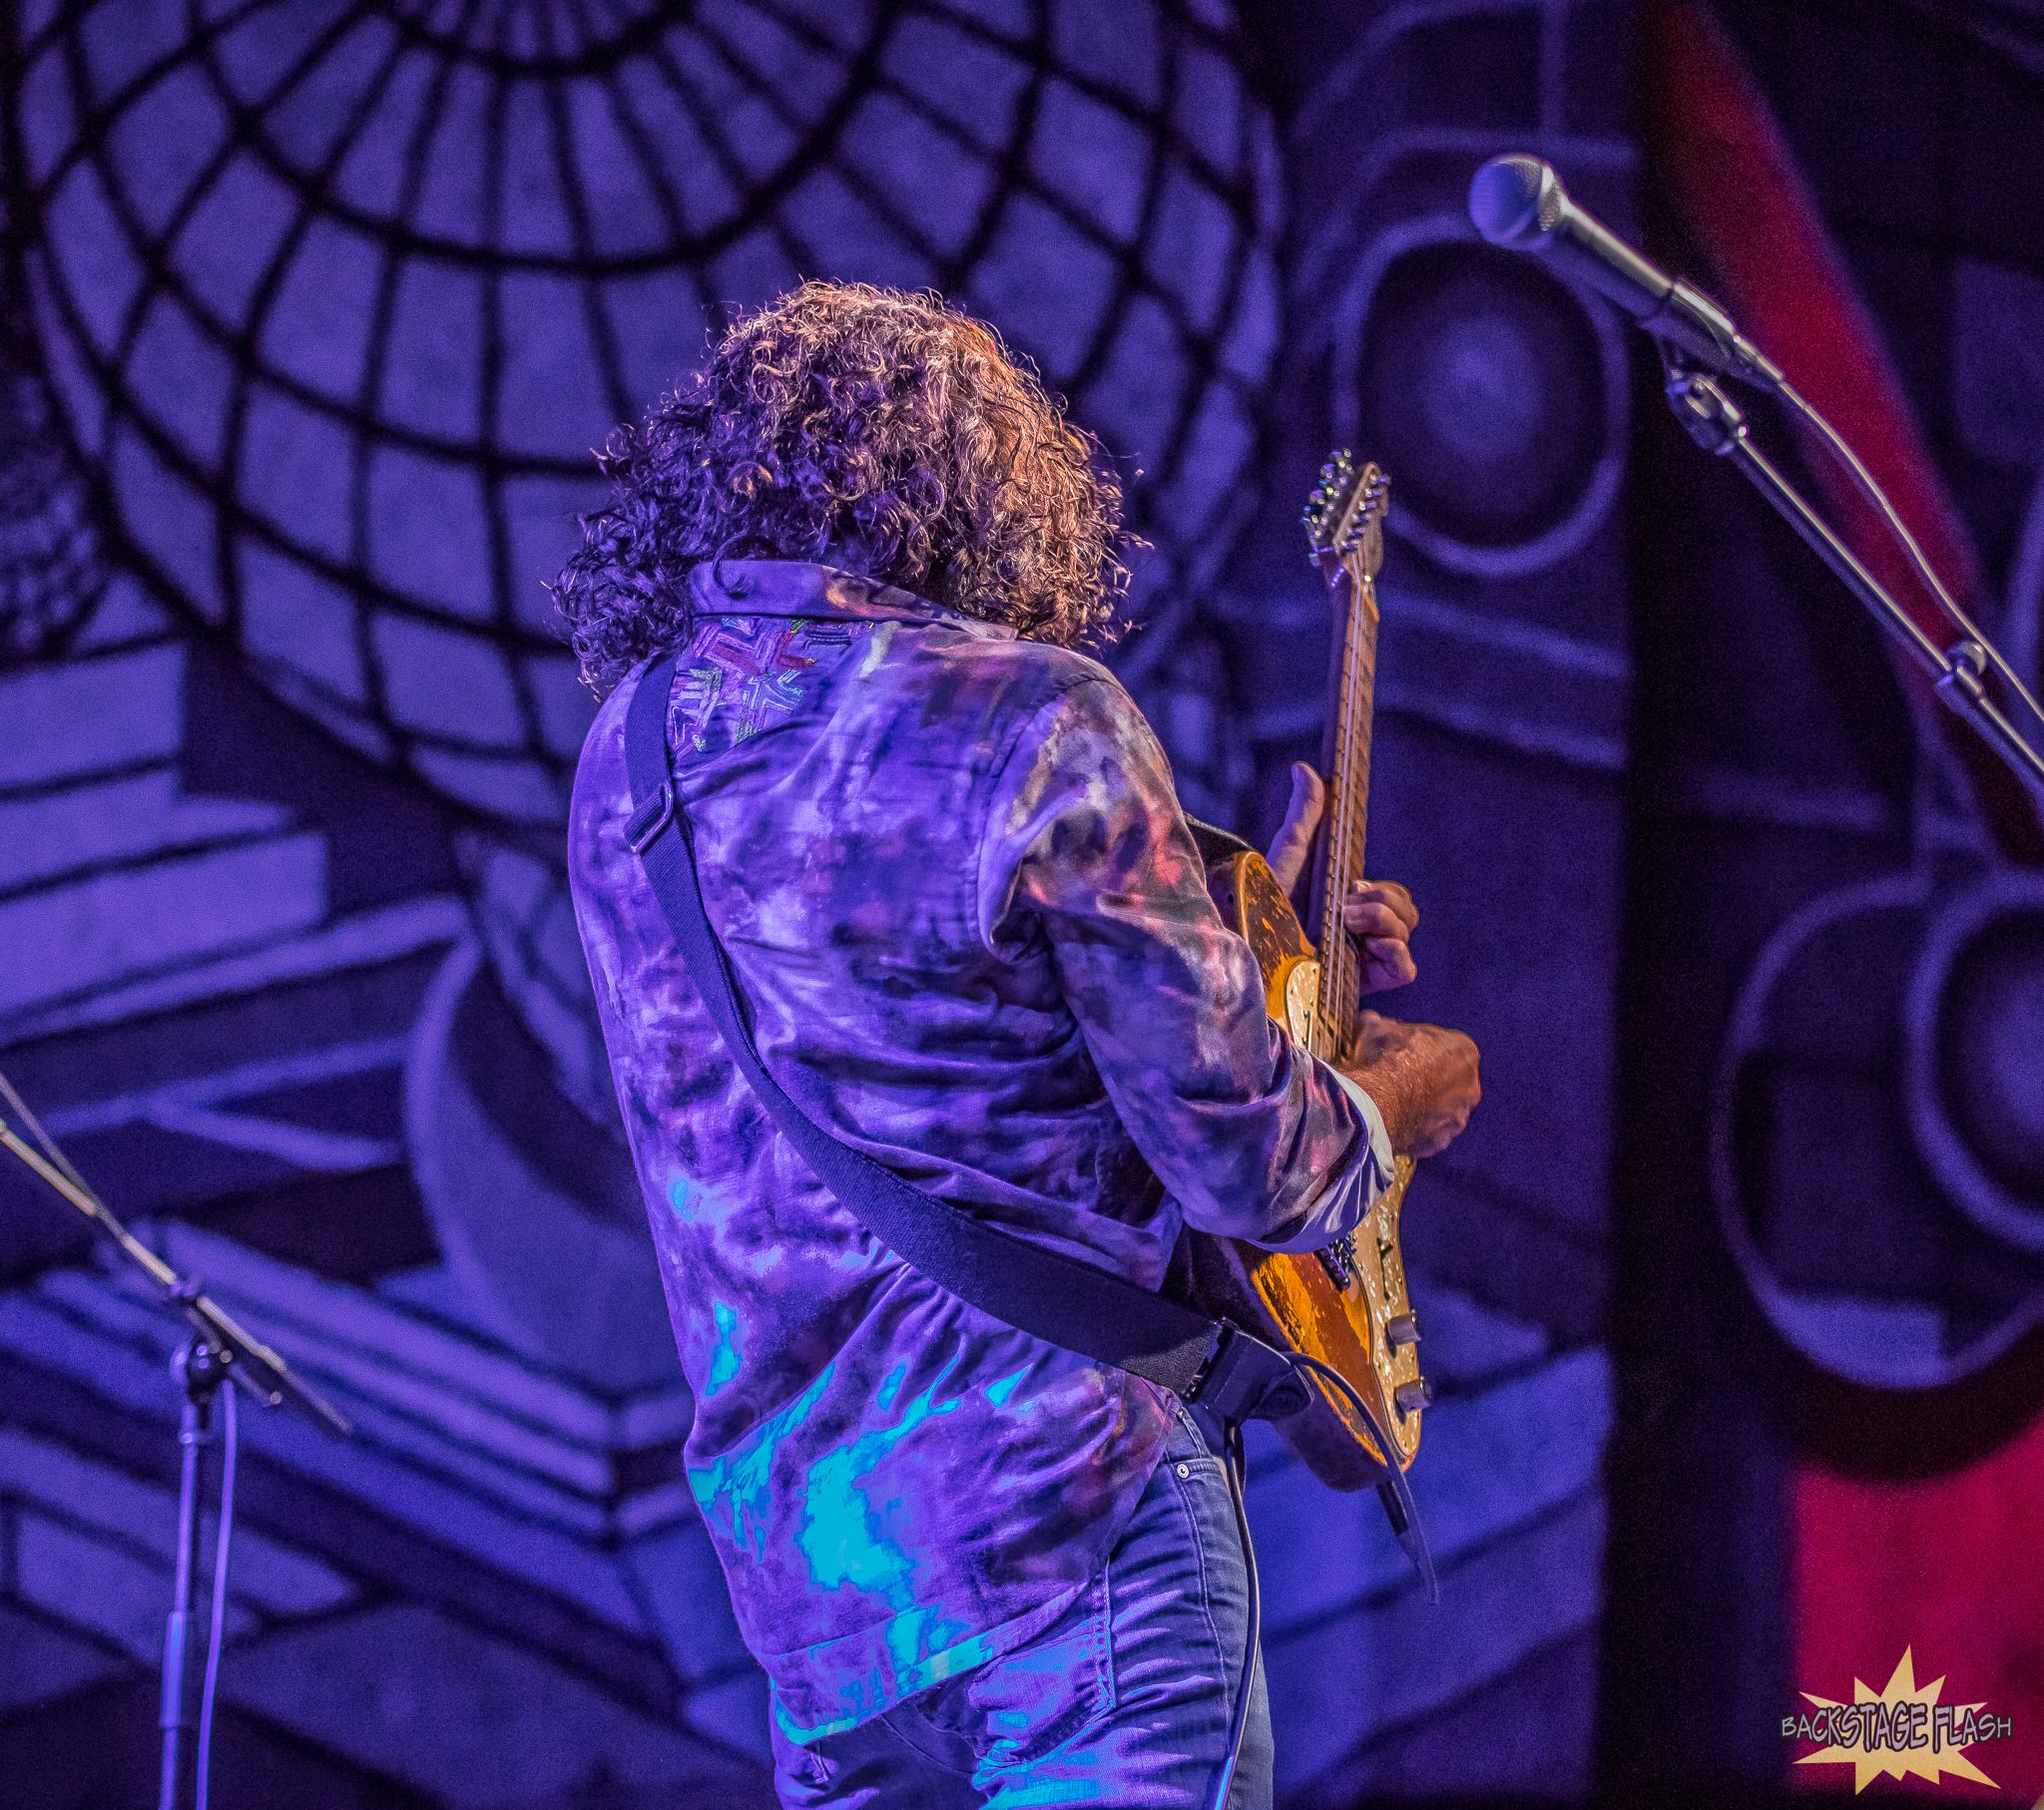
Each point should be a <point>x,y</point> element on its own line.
<point>1492,393</point>
<point>1976,1042</point>
<point>1876,1129</point>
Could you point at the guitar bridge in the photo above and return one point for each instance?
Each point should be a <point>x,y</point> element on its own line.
<point>1338,1260</point>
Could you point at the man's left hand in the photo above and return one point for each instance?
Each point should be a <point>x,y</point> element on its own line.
<point>1379,914</point>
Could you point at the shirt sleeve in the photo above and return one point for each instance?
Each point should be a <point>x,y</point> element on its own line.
<point>1087,848</point>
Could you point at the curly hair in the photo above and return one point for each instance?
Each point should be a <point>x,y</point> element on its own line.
<point>869,427</point>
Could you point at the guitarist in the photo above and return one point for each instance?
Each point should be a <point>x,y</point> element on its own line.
<point>970,924</point>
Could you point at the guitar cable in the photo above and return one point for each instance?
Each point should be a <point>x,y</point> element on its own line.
<point>217,1624</point>
<point>1232,1462</point>
<point>1405,1524</point>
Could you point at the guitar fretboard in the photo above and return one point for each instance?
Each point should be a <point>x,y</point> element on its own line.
<point>1348,807</point>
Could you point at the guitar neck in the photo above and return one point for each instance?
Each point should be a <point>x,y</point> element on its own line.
<point>1348,808</point>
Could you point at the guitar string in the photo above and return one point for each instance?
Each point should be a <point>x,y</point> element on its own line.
<point>1337,840</point>
<point>1356,802</point>
<point>1334,952</point>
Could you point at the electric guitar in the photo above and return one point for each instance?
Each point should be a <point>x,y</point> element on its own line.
<point>1346,1305</point>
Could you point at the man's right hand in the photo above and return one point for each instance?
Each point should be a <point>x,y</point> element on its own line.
<point>1422,1078</point>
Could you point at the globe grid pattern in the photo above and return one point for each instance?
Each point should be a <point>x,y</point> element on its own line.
<point>336,299</point>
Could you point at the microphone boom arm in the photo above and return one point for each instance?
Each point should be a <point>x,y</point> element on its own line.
<point>1718,424</point>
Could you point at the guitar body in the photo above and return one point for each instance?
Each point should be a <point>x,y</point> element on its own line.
<point>1331,1304</point>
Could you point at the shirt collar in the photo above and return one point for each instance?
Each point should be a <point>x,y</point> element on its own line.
<point>799,588</point>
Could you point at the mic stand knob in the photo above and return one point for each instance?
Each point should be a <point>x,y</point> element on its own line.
<point>1968,673</point>
<point>1712,420</point>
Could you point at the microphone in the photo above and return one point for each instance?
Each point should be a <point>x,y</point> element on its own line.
<point>1518,201</point>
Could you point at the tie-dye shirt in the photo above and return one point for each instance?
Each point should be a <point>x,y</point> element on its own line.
<point>973,933</point>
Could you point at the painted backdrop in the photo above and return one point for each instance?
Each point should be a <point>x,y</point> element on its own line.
<point>313,310</point>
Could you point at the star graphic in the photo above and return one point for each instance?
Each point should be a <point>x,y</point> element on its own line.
<point>1870,1764</point>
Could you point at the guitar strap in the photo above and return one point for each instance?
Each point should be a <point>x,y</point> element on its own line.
<point>1055,1298</point>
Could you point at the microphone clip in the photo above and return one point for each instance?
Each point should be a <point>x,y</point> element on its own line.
<point>1688,320</point>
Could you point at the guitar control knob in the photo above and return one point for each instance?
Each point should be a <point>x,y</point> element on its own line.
<point>1401,1330</point>
<point>1413,1396</point>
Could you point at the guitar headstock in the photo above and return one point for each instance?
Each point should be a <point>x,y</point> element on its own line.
<point>1345,519</point>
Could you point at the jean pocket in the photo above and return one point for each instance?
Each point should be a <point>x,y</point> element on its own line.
<point>1051,1689</point>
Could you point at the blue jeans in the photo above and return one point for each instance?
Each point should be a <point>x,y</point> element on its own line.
<point>1125,1699</point>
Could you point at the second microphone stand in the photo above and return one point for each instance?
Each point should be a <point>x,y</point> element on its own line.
<point>219,1350</point>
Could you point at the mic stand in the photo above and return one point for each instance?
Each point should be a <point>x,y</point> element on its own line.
<point>1718,424</point>
<point>202,1368</point>
<point>219,1350</point>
